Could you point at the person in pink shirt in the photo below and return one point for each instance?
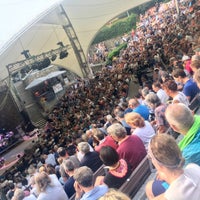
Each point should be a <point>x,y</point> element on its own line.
<point>103,140</point>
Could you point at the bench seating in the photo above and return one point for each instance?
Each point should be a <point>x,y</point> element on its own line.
<point>137,178</point>
<point>134,182</point>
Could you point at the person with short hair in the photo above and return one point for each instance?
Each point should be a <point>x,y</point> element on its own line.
<point>138,108</point>
<point>195,64</point>
<point>184,183</point>
<point>131,148</point>
<point>103,140</point>
<point>182,120</point>
<point>85,190</point>
<point>90,159</point>
<point>171,89</point>
<point>156,86</point>
<point>69,168</point>
<point>118,169</point>
<point>197,77</point>
<point>190,88</point>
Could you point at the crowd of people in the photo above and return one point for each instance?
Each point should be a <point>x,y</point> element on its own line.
<point>97,123</point>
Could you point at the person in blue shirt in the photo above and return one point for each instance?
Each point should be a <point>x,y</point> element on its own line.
<point>190,88</point>
<point>85,190</point>
<point>138,108</point>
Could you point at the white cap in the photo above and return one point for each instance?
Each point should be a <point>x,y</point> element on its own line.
<point>185,57</point>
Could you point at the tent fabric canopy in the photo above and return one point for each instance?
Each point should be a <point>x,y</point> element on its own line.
<point>36,82</point>
<point>42,35</point>
<point>40,80</point>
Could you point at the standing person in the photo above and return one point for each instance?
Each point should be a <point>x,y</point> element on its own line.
<point>171,89</point>
<point>69,168</point>
<point>85,190</point>
<point>131,148</point>
<point>190,88</point>
<point>156,86</point>
<point>184,183</point>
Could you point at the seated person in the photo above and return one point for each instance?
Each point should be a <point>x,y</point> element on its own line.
<point>183,122</point>
<point>103,140</point>
<point>48,188</point>
<point>114,195</point>
<point>142,128</point>
<point>84,185</point>
<point>190,88</point>
<point>90,159</point>
<point>160,121</point>
<point>184,183</point>
<point>118,169</point>
<point>138,108</point>
<point>131,147</point>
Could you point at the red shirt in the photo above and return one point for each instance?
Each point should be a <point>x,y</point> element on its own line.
<point>108,141</point>
<point>132,150</point>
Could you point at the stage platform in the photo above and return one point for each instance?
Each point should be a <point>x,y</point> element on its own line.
<point>12,156</point>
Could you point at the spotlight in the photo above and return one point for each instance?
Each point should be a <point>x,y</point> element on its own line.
<point>26,54</point>
<point>53,57</point>
<point>60,44</point>
<point>63,54</point>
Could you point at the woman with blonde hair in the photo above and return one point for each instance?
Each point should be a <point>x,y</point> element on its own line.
<point>143,129</point>
<point>48,189</point>
<point>180,183</point>
<point>114,195</point>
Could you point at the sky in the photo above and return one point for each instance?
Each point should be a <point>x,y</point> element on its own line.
<point>16,14</point>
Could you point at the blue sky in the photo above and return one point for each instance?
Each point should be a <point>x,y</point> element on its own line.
<point>15,14</point>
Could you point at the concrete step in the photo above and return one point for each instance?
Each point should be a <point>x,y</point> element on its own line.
<point>40,123</point>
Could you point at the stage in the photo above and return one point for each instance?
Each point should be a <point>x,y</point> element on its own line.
<point>17,152</point>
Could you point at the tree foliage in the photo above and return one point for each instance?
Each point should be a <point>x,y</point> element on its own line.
<point>118,28</point>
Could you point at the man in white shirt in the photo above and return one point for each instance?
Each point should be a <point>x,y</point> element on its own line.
<point>160,92</point>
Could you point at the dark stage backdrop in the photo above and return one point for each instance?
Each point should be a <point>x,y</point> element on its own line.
<point>10,116</point>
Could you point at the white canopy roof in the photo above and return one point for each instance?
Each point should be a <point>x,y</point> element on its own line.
<point>42,35</point>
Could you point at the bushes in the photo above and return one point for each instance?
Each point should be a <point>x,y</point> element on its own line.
<point>115,52</point>
<point>118,28</point>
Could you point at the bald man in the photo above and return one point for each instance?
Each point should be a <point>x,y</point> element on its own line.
<point>182,120</point>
